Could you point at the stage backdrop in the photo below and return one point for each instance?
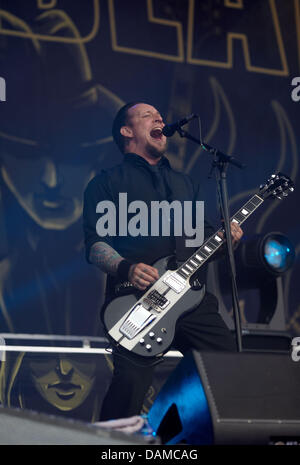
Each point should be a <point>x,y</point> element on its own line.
<point>67,67</point>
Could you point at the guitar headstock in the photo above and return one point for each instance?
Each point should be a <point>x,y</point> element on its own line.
<point>278,185</point>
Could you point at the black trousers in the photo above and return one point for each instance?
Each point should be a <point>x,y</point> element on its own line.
<point>202,329</point>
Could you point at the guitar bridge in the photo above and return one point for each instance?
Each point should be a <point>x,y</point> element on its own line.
<point>137,320</point>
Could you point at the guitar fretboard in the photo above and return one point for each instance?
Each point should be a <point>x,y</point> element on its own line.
<point>214,242</point>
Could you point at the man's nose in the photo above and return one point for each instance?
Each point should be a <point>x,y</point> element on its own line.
<point>158,119</point>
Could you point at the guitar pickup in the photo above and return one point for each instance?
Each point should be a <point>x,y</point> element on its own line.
<point>175,282</point>
<point>137,320</point>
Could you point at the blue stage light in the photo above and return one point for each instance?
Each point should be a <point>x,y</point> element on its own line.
<point>278,252</point>
<point>260,257</point>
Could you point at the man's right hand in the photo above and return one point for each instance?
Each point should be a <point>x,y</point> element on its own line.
<point>142,275</point>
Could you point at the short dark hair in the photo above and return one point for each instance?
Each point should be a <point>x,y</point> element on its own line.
<point>120,120</point>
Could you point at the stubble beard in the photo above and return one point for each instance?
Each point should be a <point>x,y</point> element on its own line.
<point>155,152</point>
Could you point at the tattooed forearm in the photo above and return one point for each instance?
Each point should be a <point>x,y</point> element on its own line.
<point>105,257</point>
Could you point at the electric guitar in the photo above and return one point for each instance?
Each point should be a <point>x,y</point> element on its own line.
<point>144,322</point>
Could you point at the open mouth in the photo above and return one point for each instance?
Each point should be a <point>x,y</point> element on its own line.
<point>156,133</point>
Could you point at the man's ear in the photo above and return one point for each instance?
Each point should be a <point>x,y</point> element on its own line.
<point>126,131</point>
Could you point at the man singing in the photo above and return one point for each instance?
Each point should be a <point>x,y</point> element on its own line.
<point>146,175</point>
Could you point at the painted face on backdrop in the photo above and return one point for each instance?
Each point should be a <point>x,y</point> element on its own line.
<point>64,381</point>
<point>144,129</point>
<point>48,183</point>
<point>56,126</point>
<point>48,159</point>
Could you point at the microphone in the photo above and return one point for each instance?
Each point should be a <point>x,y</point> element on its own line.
<point>169,129</point>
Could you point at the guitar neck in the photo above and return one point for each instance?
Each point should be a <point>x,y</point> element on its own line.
<point>214,242</point>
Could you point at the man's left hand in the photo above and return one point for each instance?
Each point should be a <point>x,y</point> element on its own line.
<point>236,233</point>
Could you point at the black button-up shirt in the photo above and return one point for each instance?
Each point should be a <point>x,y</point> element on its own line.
<point>140,181</point>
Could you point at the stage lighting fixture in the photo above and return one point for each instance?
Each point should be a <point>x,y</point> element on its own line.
<point>272,253</point>
<point>261,262</point>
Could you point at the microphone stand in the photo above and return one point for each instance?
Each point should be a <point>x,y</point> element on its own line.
<point>221,161</point>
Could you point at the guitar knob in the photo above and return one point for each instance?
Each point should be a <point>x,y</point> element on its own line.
<point>142,341</point>
<point>152,335</point>
<point>196,285</point>
<point>159,340</point>
<point>148,347</point>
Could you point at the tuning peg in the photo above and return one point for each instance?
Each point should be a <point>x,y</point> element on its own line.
<point>277,195</point>
<point>291,189</point>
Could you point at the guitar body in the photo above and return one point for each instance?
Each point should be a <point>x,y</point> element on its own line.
<point>156,337</point>
<point>144,323</point>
